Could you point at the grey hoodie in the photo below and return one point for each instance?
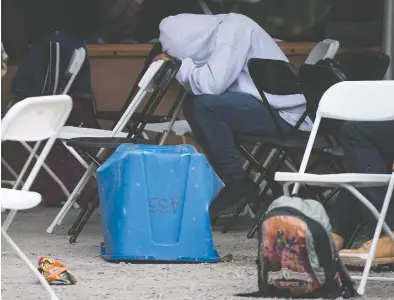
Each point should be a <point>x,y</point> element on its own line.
<point>215,50</point>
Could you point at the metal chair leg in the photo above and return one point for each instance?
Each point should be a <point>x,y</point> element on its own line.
<point>253,230</point>
<point>276,161</point>
<point>78,220</point>
<point>261,210</point>
<point>242,204</point>
<point>84,220</point>
<point>354,236</point>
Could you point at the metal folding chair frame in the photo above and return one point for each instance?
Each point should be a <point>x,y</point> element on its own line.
<point>135,132</point>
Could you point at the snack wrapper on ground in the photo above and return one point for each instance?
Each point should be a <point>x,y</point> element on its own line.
<point>55,271</point>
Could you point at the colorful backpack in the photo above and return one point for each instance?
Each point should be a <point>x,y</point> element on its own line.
<point>296,254</point>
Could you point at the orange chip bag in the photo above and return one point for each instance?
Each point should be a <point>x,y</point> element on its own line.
<point>55,271</point>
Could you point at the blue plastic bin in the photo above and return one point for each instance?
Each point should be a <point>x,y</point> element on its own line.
<point>154,204</point>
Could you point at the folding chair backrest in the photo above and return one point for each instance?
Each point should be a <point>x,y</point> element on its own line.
<point>359,101</point>
<point>275,77</point>
<point>156,49</point>
<point>35,118</point>
<point>367,65</point>
<point>77,59</point>
<point>56,55</point>
<point>159,83</point>
<point>157,77</point>
<point>352,101</point>
<point>317,79</point>
<point>324,49</point>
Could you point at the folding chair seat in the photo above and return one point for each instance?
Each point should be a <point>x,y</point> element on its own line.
<point>156,80</point>
<point>35,119</point>
<point>19,200</point>
<point>351,100</point>
<point>90,145</point>
<point>356,180</point>
<point>297,140</point>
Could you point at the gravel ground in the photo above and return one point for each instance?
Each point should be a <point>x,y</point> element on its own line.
<point>99,279</point>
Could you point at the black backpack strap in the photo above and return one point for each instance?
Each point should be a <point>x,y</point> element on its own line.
<point>341,285</point>
<point>348,285</point>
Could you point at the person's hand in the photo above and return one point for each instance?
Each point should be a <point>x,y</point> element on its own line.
<point>162,56</point>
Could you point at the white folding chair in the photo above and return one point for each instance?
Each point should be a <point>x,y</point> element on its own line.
<point>33,120</point>
<point>22,200</point>
<point>75,64</point>
<point>146,85</point>
<point>351,101</point>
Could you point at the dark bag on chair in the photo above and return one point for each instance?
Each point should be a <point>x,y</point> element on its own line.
<point>296,254</point>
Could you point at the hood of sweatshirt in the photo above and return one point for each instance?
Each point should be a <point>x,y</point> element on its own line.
<point>189,35</point>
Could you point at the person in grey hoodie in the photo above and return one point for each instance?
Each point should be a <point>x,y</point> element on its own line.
<point>215,50</point>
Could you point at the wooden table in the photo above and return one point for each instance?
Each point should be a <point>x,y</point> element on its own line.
<point>142,50</point>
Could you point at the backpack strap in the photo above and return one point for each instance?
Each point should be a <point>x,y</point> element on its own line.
<point>343,281</point>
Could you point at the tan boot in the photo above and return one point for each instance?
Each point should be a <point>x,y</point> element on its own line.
<point>384,254</point>
<point>338,241</point>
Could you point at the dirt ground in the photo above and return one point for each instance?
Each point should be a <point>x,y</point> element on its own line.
<point>98,279</point>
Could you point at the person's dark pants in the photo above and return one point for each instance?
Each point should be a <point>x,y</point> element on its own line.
<point>368,148</point>
<point>213,120</point>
